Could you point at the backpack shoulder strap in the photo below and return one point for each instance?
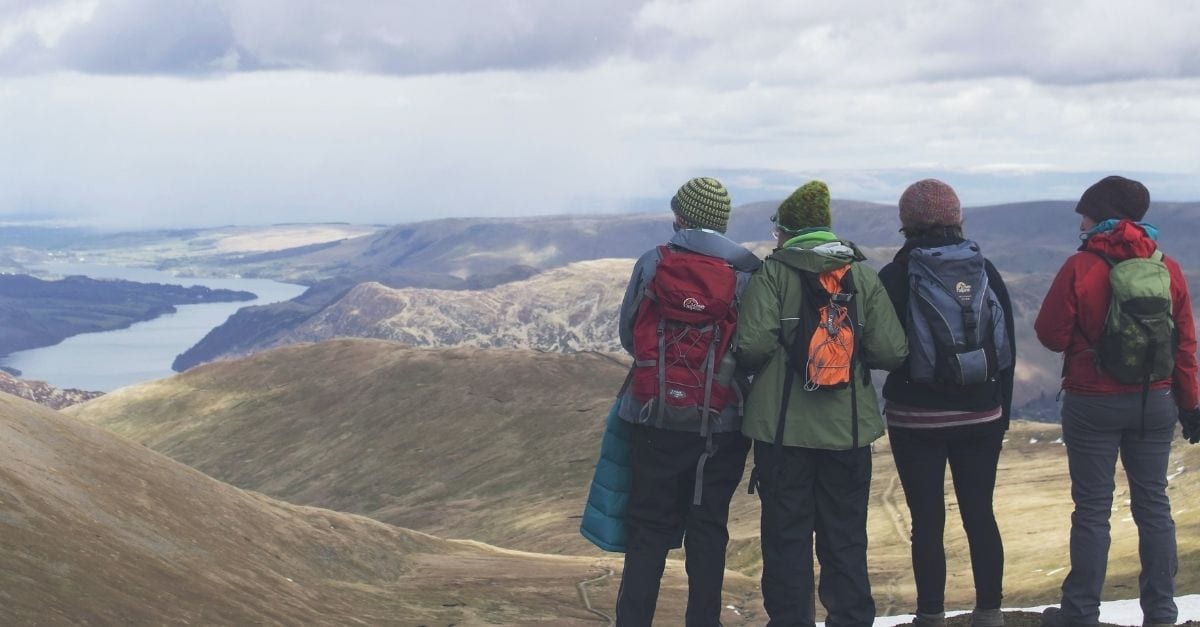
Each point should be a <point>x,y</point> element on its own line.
<point>848,287</point>
<point>1109,260</point>
<point>807,322</point>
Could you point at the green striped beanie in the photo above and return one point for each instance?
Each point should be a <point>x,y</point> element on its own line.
<point>806,208</point>
<point>702,203</point>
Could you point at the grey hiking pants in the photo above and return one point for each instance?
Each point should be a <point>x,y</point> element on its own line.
<point>1096,429</point>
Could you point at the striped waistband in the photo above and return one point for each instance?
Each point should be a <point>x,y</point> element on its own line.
<point>909,417</point>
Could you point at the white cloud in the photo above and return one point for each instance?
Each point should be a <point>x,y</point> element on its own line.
<point>138,111</point>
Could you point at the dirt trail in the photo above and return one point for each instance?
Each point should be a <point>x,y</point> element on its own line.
<point>587,601</point>
<point>888,596</point>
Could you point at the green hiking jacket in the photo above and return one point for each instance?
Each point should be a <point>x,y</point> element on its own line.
<point>819,419</point>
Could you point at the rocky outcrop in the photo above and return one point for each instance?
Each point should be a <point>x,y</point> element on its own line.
<point>43,393</point>
<point>565,310</point>
<point>568,309</point>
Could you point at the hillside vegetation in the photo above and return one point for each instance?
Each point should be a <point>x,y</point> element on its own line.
<point>498,446</point>
<point>99,530</point>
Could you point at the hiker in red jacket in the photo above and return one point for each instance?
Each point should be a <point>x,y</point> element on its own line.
<point>1107,410</point>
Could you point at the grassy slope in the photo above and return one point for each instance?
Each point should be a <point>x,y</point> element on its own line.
<point>486,445</point>
<point>100,530</point>
<point>498,446</point>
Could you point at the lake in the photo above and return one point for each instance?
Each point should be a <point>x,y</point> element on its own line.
<point>109,360</point>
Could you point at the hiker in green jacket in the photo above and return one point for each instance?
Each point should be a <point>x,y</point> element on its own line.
<point>814,322</point>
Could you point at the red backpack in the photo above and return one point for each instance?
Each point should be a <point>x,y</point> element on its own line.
<point>682,331</point>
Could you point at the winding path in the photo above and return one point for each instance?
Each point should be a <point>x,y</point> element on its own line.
<point>895,510</point>
<point>587,601</point>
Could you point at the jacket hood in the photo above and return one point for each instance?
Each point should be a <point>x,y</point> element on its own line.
<point>715,244</point>
<point>1125,240</point>
<point>818,251</point>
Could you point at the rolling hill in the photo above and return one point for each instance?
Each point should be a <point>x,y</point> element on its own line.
<point>99,530</point>
<point>1023,237</point>
<point>498,445</point>
<point>572,308</point>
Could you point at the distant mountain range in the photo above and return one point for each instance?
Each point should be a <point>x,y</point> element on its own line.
<point>573,307</point>
<point>498,445</point>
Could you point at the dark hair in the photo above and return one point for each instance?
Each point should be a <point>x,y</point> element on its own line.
<point>934,230</point>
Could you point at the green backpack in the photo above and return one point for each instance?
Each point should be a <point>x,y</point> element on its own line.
<point>1139,340</point>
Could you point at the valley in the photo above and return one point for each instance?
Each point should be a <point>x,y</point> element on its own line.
<point>1027,241</point>
<point>428,414</point>
<point>101,530</point>
<point>498,445</point>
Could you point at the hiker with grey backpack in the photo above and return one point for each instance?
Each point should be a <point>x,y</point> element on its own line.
<point>949,403</point>
<point>1120,311</point>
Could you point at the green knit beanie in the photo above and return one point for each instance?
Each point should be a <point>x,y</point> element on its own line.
<point>702,203</point>
<point>806,208</point>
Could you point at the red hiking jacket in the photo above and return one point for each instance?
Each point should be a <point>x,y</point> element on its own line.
<point>1072,317</point>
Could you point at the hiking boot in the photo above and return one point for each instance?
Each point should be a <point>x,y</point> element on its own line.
<point>930,620</point>
<point>987,618</point>
<point>1053,617</point>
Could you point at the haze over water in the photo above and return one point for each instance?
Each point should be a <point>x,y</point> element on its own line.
<point>109,360</point>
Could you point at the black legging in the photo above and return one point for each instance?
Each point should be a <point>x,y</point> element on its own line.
<point>973,452</point>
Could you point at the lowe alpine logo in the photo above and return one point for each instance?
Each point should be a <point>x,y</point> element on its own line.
<point>693,305</point>
<point>963,288</point>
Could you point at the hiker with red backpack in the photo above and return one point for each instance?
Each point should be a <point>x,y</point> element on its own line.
<point>951,400</point>
<point>814,321</point>
<point>682,403</point>
<point>1120,311</point>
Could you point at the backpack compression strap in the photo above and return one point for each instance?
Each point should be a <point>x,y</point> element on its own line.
<point>706,412</point>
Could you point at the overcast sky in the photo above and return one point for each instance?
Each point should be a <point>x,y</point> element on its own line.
<point>200,112</point>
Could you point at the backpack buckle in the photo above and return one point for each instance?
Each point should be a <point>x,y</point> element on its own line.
<point>841,297</point>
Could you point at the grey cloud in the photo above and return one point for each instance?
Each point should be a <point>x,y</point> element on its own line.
<point>150,37</point>
<point>712,41</point>
<point>202,36</point>
<point>1082,42</point>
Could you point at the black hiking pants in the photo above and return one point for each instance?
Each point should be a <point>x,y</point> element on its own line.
<point>973,452</point>
<point>806,491</point>
<point>661,509</point>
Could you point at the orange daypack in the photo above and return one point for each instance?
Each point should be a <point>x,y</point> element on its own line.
<point>831,349</point>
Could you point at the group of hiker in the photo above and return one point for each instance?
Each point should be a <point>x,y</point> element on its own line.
<point>733,353</point>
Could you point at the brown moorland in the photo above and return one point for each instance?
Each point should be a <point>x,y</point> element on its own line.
<point>497,446</point>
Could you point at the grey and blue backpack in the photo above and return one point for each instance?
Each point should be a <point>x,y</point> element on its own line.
<point>956,329</point>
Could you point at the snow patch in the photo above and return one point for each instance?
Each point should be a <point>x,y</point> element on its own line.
<point>1126,612</point>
